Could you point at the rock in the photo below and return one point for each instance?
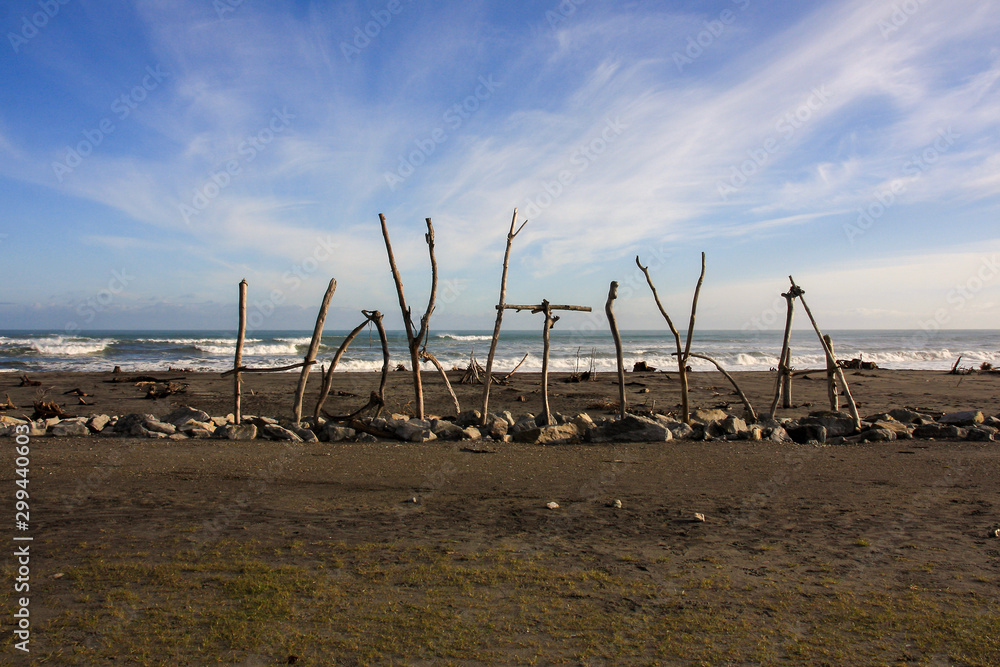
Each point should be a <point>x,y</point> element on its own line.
<point>365,437</point>
<point>131,424</point>
<point>698,516</point>
<point>632,428</point>
<point>733,426</point>
<point>185,414</point>
<point>7,420</point>
<point>525,423</point>
<point>877,435</point>
<point>703,415</point>
<point>495,427</point>
<point>306,434</point>
<point>981,433</point>
<point>335,433</point>
<point>835,423</point>
<point>472,433</point>
<point>222,421</point>
<point>469,418</point>
<point>178,436</point>
<point>776,433</point>
<point>446,430</point>
<point>617,504</point>
<point>754,433</point>
<point>70,427</point>
<point>157,426</point>
<point>681,431</point>
<point>939,432</point>
<point>198,433</point>
<point>583,422</point>
<point>143,432</point>
<point>552,505</point>
<point>415,430</point>
<point>98,422</point>
<point>276,432</point>
<point>395,416</point>
<point>560,434</point>
<point>906,416</point>
<point>901,430</point>
<point>807,433</point>
<point>993,532</point>
<point>237,431</point>
<point>967,418</point>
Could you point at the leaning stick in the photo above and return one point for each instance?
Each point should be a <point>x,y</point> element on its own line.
<point>376,317</point>
<point>831,377</point>
<point>247,369</point>
<point>743,397</point>
<point>238,362</point>
<point>328,377</point>
<point>427,356</point>
<point>784,355</point>
<point>507,377</point>
<point>609,310</point>
<point>500,308</point>
<point>832,361</point>
<point>300,390</point>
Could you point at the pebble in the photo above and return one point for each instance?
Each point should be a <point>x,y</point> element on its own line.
<point>552,505</point>
<point>617,504</point>
<point>698,516</point>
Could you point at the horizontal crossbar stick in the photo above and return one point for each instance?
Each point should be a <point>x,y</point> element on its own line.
<point>244,369</point>
<point>537,308</point>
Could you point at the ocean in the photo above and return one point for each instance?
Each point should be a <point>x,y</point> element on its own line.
<point>571,350</point>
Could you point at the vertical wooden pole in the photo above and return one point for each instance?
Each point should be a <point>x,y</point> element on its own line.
<point>786,380</point>
<point>609,310</point>
<point>784,356</point>
<point>300,390</point>
<point>831,377</point>
<point>500,308</point>
<point>240,336</point>
<point>549,323</point>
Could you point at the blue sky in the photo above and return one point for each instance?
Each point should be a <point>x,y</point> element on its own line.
<point>153,153</point>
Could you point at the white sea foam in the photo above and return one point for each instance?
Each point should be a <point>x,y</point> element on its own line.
<point>448,336</point>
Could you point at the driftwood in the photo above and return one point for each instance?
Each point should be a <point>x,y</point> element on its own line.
<point>238,361</point>
<point>415,339</point>
<point>642,367</point>
<point>474,373</point>
<point>506,378</point>
<point>830,359</point>
<point>47,409</point>
<point>550,321</point>
<point>682,355</point>
<point>751,414</point>
<point>8,405</point>
<point>317,336</point>
<point>377,399</point>
<point>275,369</point>
<point>783,384</point>
<point>25,382</point>
<point>609,311</point>
<point>427,356</point>
<point>155,391</point>
<point>500,308</point>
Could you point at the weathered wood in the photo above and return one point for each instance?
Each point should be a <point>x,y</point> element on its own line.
<point>784,356</point>
<point>276,369</point>
<point>751,414</point>
<point>376,318</point>
<point>328,375</point>
<point>550,322</point>
<point>786,380</point>
<point>317,336</point>
<point>427,356</point>
<point>507,377</point>
<point>830,359</point>
<point>831,377</point>
<point>537,308</point>
<point>238,361</point>
<point>609,311</point>
<point>488,380</point>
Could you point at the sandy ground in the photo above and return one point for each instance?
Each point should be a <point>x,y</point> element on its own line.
<point>792,533</point>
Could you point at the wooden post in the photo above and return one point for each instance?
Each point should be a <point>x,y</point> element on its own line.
<point>300,390</point>
<point>831,377</point>
<point>414,338</point>
<point>785,357</point>
<point>500,308</point>
<point>546,308</point>
<point>240,336</point>
<point>831,361</point>
<point>609,311</point>
<point>786,380</point>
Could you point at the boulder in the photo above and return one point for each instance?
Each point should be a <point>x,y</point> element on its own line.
<point>446,430</point>
<point>902,431</point>
<point>776,433</point>
<point>131,424</point>
<point>70,427</point>
<point>472,433</point>
<point>414,430</point>
<point>939,432</point>
<point>184,414</point>
<point>237,432</point>
<point>156,426</point>
<point>98,422</point>
<point>306,434</point>
<point>877,435</point>
<point>967,418</point>
<point>496,427</point>
<point>835,422</point>
<point>469,418</point>
<point>805,434</point>
<point>733,426</point>
<point>276,432</point>
<point>704,415</point>
<point>559,434</point>
<point>907,416</point>
<point>632,428</point>
<point>525,423</point>
<point>981,433</point>
<point>335,433</point>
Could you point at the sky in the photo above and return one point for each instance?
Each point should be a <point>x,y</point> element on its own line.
<point>154,153</point>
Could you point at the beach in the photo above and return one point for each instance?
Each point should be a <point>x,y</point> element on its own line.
<point>261,552</point>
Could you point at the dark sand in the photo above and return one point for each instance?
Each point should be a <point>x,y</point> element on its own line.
<point>249,553</point>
